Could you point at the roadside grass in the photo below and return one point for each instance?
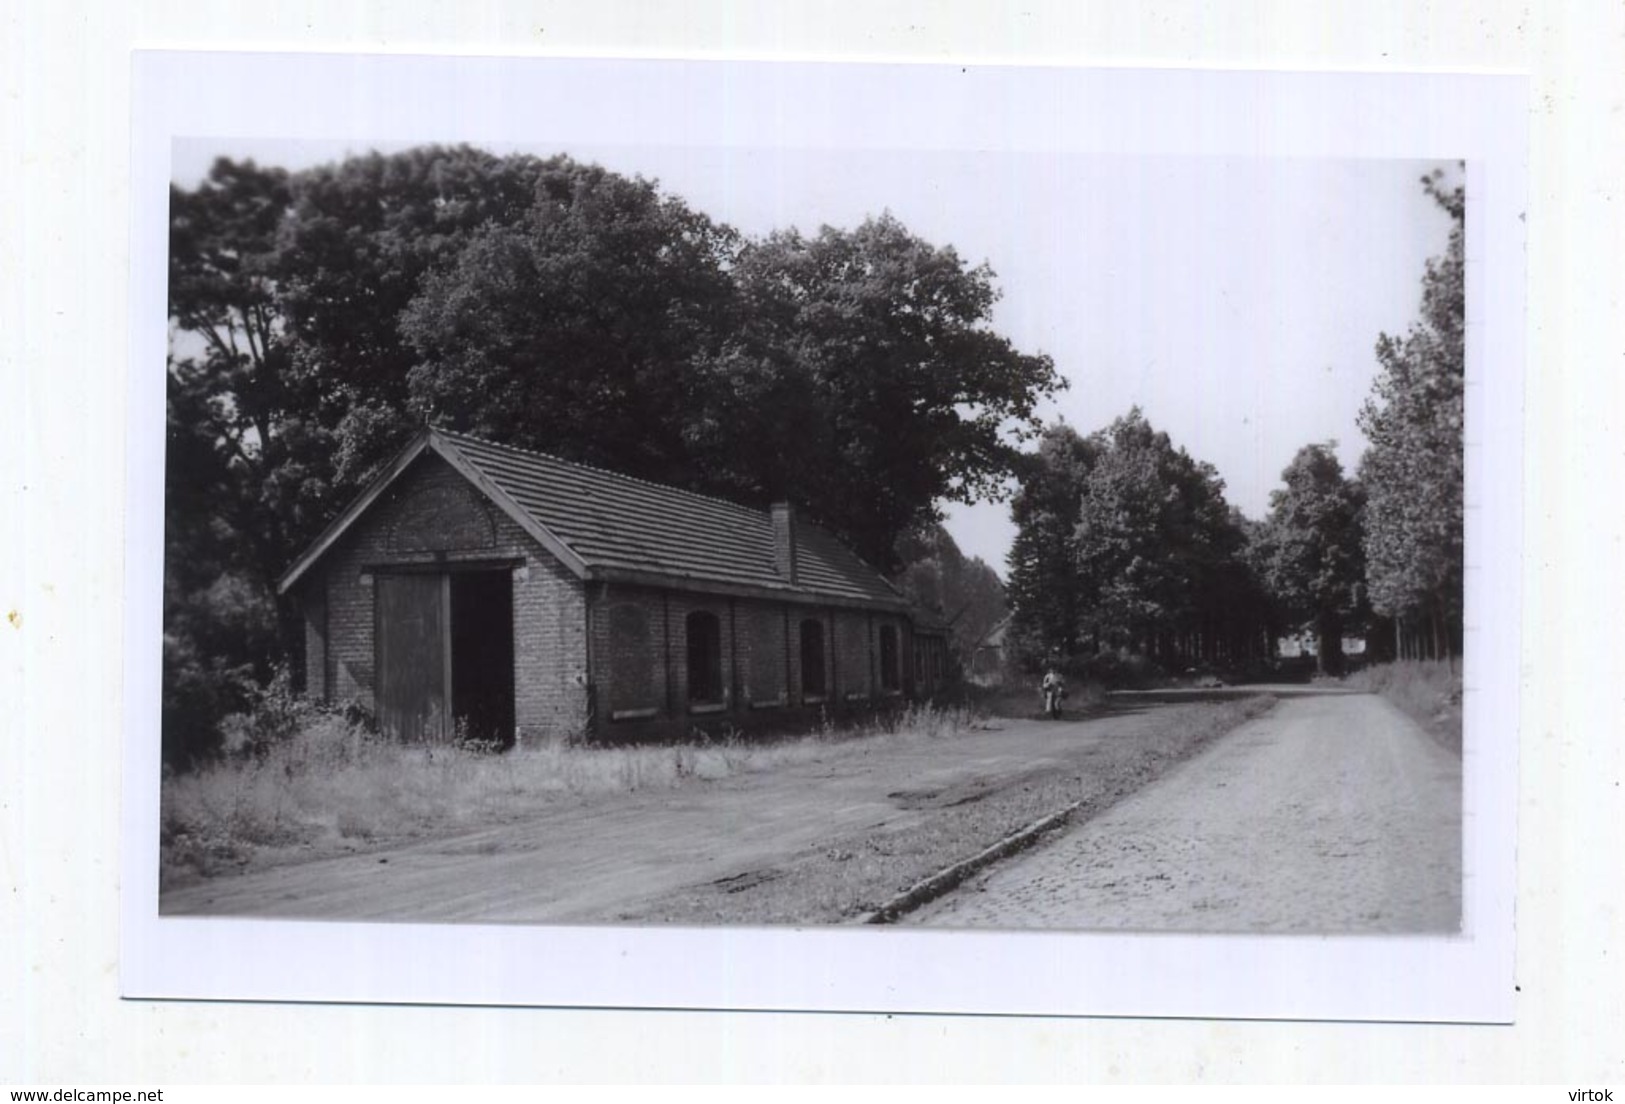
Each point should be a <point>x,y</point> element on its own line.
<point>1428,691</point>
<point>849,877</point>
<point>327,787</point>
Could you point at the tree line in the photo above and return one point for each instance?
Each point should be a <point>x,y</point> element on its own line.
<point>319,317</point>
<point>1125,545</point>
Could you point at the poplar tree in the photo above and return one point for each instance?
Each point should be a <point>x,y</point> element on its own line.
<point>1413,470</point>
<point>1046,585</point>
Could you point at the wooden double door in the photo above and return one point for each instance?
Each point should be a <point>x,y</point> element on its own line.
<point>445,656</point>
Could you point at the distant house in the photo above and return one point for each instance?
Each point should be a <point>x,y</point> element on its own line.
<point>987,660</point>
<point>482,590</point>
<point>1306,643</point>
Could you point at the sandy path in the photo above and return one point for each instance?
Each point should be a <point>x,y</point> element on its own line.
<point>592,859</point>
<point>1330,814</point>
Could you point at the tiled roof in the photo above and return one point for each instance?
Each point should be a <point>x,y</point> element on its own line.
<point>620,527</point>
<point>613,521</point>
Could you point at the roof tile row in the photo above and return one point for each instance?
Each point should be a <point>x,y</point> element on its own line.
<point>613,521</point>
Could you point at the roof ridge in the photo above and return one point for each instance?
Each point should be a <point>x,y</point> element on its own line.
<point>669,487</point>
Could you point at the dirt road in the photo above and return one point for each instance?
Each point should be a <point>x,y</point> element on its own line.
<point>605,858</point>
<point>1330,814</point>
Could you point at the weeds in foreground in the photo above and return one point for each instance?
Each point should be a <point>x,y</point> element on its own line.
<point>313,781</point>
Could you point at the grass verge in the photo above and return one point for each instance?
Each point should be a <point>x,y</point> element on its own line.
<point>850,877</point>
<point>329,788</point>
<point>1428,691</point>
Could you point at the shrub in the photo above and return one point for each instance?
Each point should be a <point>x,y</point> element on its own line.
<point>276,713</point>
<point>196,694</point>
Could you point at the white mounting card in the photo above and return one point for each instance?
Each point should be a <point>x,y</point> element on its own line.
<point>1019,135</point>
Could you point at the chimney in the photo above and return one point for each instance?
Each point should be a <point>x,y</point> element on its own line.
<point>784,541</point>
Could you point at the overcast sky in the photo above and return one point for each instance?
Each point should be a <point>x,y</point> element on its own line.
<point>1237,301</point>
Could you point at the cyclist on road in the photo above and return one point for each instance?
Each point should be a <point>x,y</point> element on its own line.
<point>1054,688</point>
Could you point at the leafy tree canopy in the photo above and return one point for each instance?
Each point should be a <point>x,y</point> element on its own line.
<point>1126,542</point>
<point>1049,590</point>
<point>578,327</point>
<point>864,380</point>
<point>1309,549</point>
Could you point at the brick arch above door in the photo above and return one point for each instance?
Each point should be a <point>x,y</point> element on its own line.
<point>442,518</point>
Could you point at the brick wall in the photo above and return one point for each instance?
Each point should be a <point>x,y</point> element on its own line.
<point>639,661</point>
<point>313,601</point>
<point>550,655</point>
<point>550,649</point>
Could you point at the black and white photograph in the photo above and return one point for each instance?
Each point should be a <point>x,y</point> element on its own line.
<point>530,532</point>
<point>699,535</point>
<point>841,543</point>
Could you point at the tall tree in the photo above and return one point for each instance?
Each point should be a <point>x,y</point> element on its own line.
<point>1310,549</point>
<point>227,391</point>
<point>1413,469</point>
<point>1125,542</point>
<point>580,328</point>
<point>867,383</point>
<point>1048,589</point>
<point>1153,531</point>
<point>229,377</point>
<point>361,238</point>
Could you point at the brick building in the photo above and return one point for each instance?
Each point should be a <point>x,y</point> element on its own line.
<point>480,589</point>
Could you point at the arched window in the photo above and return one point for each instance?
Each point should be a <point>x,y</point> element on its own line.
<point>890,678</point>
<point>704,658</point>
<point>813,684</point>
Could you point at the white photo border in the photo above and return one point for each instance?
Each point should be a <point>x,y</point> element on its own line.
<point>1478,118</point>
